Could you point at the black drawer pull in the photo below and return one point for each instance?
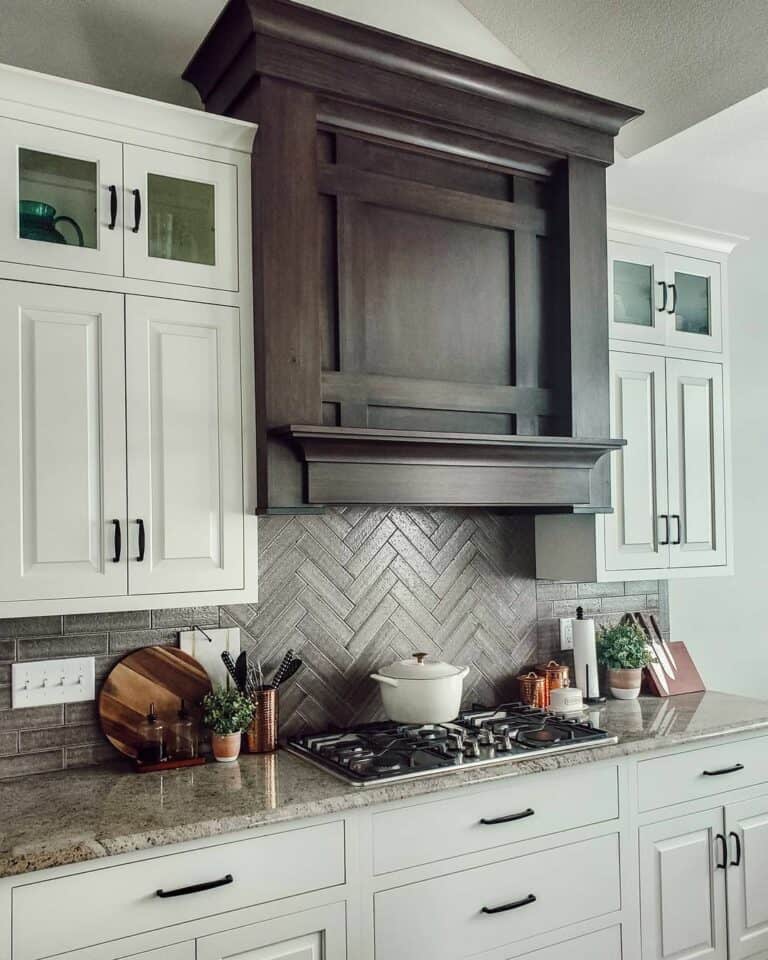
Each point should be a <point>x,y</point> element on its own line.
<point>136,211</point>
<point>118,542</point>
<point>112,207</point>
<point>663,286</point>
<point>719,773</point>
<point>196,888</point>
<point>142,541</point>
<point>673,308</point>
<point>721,839</point>
<point>511,906</point>
<point>737,838</point>
<point>510,818</point>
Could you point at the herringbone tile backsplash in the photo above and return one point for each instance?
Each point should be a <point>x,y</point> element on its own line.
<point>350,590</point>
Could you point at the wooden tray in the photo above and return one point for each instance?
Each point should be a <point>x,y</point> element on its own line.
<point>161,675</point>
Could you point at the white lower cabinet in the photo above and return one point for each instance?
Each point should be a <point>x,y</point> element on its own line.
<point>318,934</point>
<point>704,884</point>
<point>603,945</point>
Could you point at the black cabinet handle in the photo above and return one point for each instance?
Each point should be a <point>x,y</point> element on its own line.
<point>142,541</point>
<point>196,888</point>
<point>664,294</point>
<point>112,207</point>
<point>118,542</point>
<point>136,211</point>
<point>719,773</point>
<point>737,838</point>
<point>677,541</point>
<point>724,864</point>
<point>673,308</point>
<point>509,818</point>
<point>665,541</point>
<point>511,906</point>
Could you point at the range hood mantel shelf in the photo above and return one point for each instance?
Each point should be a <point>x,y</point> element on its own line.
<point>356,465</point>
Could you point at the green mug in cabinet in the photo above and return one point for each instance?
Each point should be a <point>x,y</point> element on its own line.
<point>37,221</point>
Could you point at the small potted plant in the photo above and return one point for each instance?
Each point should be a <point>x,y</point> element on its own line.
<point>624,650</point>
<point>226,713</point>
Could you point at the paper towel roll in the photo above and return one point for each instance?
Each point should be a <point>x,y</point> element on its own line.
<point>585,656</point>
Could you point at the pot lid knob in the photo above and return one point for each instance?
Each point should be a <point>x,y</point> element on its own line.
<point>420,657</point>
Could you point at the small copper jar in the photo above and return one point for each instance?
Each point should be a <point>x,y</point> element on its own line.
<point>533,689</point>
<point>556,675</point>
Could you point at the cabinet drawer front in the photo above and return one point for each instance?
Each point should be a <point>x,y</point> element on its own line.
<point>603,945</point>
<point>444,917</point>
<point>120,901</point>
<point>702,773</point>
<point>526,807</point>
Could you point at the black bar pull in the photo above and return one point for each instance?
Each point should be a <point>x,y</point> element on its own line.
<point>664,293</point>
<point>678,540</point>
<point>665,541</point>
<point>724,864</point>
<point>719,773</point>
<point>737,838</point>
<point>118,542</point>
<point>509,818</point>
<point>511,906</point>
<point>196,888</point>
<point>112,207</point>
<point>136,211</point>
<point>673,308</point>
<point>142,540</point>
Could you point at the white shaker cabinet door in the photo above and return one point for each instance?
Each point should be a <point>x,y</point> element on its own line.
<point>682,889</point>
<point>695,309</point>
<point>637,293</point>
<point>747,826</point>
<point>62,466</point>
<point>180,219</point>
<point>318,934</point>
<point>696,464</point>
<point>636,533</point>
<point>185,475</point>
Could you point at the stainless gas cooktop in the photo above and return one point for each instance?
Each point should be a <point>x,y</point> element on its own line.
<point>376,753</point>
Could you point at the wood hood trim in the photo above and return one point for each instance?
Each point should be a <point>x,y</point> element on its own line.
<point>348,464</point>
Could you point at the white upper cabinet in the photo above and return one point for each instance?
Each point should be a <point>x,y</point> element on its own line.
<point>637,532</point>
<point>62,469</point>
<point>61,202</point>
<point>185,469</point>
<point>181,219</point>
<point>664,298</point>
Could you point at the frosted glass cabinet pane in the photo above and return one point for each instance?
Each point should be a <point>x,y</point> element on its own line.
<point>182,224</point>
<point>58,199</point>
<point>633,293</point>
<point>692,311</point>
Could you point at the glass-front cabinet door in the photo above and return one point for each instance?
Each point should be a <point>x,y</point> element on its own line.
<point>60,205</point>
<point>180,219</point>
<point>694,307</point>
<point>637,300</point>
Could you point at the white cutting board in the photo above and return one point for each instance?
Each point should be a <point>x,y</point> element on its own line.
<point>209,653</point>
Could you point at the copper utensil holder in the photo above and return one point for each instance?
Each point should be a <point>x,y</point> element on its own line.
<point>556,675</point>
<point>261,735</point>
<point>533,689</point>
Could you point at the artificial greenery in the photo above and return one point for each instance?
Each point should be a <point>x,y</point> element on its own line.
<point>227,711</point>
<point>623,647</point>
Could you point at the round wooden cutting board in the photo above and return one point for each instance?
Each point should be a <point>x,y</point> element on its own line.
<point>161,675</point>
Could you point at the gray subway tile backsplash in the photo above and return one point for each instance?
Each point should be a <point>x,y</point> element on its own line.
<point>348,590</point>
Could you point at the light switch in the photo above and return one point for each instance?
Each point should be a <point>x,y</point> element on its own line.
<point>40,683</point>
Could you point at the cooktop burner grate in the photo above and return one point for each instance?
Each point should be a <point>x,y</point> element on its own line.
<point>377,753</point>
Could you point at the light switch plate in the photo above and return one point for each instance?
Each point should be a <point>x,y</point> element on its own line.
<point>40,683</point>
<point>208,651</point>
<point>566,633</point>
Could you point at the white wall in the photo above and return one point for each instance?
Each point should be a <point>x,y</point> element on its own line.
<point>442,23</point>
<point>723,621</point>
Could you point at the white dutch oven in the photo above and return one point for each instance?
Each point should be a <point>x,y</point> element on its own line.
<point>417,691</point>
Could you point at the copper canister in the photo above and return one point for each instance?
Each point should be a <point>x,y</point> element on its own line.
<point>261,735</point>
<point>556,675</point>
<point>533,689</point>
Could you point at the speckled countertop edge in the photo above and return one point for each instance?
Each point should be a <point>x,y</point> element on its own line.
<point>283,788</point>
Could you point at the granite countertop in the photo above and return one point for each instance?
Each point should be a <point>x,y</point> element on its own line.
<point>77,815</point>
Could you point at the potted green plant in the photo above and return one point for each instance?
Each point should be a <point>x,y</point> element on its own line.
<point>226,713</point>
<point>624,650</point>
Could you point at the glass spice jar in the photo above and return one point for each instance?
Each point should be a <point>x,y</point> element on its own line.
<point>151,739</point>
<point>182,739</point>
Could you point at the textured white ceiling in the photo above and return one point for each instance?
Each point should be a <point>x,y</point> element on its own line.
<point>680,60</point>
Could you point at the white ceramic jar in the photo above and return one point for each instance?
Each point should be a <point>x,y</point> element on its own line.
<point>421,691</point>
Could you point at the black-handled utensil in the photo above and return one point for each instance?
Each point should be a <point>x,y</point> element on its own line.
<point>277,679</point>
<point>241,671</point>
<point>292,667</point>
<point>229,663</point>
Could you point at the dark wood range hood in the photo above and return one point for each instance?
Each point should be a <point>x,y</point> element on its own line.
<point>429,267</point>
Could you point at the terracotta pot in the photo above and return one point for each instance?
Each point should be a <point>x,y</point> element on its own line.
<point>624,684</point>
<point>226,746</point>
